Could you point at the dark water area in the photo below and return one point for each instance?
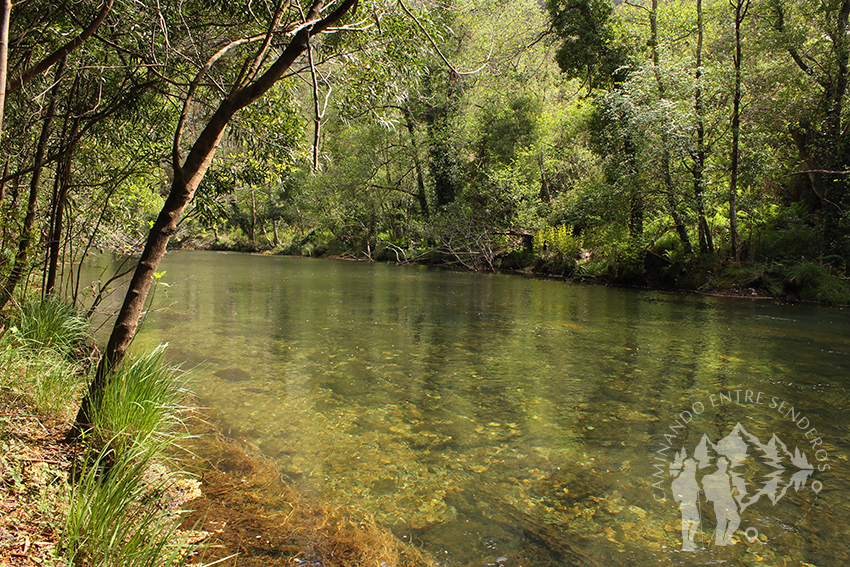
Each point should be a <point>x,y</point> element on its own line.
<point>500,420</point>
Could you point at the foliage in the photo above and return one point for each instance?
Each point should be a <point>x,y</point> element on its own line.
<point>816,282</point>
<point>589,50</point>
<point>437,120</point>
<point>559,239</point>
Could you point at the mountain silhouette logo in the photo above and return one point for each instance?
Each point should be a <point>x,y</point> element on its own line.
<point>718,471</point>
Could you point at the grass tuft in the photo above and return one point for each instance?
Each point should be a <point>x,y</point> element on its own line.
<point>143,400</point>
<point>50,324</point>
<point>112,515</point>
<point>37,356</point>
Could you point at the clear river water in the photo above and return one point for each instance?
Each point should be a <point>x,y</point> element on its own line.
<point>499,420</point>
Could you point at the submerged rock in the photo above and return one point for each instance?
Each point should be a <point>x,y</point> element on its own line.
<point>232,374</point>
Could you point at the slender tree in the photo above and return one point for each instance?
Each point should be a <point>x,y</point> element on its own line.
<point>706,244</point>
<point>741,8</point>
<point>5,17</point>
<point>667,175</point>
<point>189,173</point>
<point>28,229</point>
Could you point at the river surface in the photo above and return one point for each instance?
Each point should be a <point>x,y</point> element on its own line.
<point>509,421</point>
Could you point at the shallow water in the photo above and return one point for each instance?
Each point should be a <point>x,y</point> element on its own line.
<point>502,420</point>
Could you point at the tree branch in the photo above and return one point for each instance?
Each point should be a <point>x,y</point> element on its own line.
<point>437,49</point>
<point>51,59</point>
<point>184,115</point>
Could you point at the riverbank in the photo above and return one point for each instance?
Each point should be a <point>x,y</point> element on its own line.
<point>114,497</point>
<point>176,493</point>
<point>823,280</point>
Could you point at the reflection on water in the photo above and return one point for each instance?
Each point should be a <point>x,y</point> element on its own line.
<point>499,420</point>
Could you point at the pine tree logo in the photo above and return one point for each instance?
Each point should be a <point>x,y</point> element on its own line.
<point>718,470</point>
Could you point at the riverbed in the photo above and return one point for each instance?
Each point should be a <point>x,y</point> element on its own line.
<point>503,420</point>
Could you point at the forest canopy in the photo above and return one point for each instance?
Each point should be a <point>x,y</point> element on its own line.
<point>695,143</point>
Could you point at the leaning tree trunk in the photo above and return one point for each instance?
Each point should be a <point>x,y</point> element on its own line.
<point>186,180</point>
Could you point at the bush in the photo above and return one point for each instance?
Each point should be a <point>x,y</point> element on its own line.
<point>813,281</point>
<point>559,239</point>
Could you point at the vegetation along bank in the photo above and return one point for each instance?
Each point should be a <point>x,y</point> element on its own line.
<point>696,144</point>
<point>152,483</point>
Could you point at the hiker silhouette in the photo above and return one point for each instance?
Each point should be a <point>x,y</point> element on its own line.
<point>686,492</point>
<point>717,487</point>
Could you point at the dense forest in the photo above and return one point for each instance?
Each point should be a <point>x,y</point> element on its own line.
<point>696,144</point>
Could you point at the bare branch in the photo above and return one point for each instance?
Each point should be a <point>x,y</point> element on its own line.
<point>825,171</point>
<point>318,113</point>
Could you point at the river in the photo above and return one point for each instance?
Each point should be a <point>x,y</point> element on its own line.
<point>503,420</point>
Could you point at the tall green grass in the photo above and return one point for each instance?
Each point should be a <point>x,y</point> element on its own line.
<point>37,355</point>
<point>144,399</point>
<point>114,515</point>
<point>113,518</point>
<point>50,324</point>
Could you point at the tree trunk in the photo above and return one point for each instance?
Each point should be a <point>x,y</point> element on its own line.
<point>274,232</point>
<point>636,204</point>
<point>706,245</point>
<point>417,163</point>
<point>681,229</point>
<point>545,193</point>
<point>741,8</point>
<point>839,194</point>
<point>252,227</point>
<point>20,261</point>
<point>55,237</point>
<point>5,16</point>
<point>186,180</point>
<point>3,182</point>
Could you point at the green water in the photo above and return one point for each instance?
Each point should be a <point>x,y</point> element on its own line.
<point>502,420</point>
